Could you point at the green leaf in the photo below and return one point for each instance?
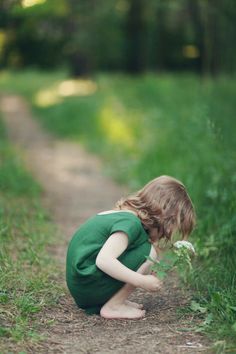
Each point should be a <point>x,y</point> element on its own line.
<point>196,307</point>
<point>232,308</point>
<point>161,275</point>
<point>208,319</point>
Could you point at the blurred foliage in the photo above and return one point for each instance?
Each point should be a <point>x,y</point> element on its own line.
<point>124,35</point>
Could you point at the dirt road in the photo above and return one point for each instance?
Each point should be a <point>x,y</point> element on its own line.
<point>75,187</point>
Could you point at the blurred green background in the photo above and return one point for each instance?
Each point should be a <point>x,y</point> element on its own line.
<point>123,35</point>
<point>150,86</point>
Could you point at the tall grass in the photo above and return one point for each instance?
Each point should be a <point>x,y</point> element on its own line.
<point>27,274</point>
<point>176,125</point>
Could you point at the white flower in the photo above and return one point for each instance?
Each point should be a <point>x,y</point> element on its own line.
<point>185,244</point>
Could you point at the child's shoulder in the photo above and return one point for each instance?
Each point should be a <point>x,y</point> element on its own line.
<point>119,214</point>
<point>108,219</point>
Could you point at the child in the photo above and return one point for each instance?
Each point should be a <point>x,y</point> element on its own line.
<point>106,258</point>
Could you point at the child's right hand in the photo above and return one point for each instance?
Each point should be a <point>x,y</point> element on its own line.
<point>150,283</point>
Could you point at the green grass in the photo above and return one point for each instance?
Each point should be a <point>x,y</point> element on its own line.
<point>151,125</point>
<point>28,283</point>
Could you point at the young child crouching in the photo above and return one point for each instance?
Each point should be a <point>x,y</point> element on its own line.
<point>106,258</point>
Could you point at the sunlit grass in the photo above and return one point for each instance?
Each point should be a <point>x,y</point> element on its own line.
<point>29,3</point>
<point>77,87</point>
<point>47,97</point>
<point>66,88</point>
<point>116,127</point>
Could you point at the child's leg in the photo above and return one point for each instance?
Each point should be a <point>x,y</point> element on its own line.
<point>117,306</point>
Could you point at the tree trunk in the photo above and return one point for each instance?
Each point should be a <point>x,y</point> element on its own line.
<point>160,41</point>
<point>206,22</point>
<point>136,35</point>
<point>194,11</point>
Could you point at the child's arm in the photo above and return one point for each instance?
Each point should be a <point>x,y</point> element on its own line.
<point>107,261</point>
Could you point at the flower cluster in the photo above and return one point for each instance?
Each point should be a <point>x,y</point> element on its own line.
<point>178,257</point>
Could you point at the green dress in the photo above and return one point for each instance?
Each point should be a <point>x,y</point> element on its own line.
<point>90,287</point>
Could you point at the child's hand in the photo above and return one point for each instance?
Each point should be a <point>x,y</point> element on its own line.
<point>150,283</point>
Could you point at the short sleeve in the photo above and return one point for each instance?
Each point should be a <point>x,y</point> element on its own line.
<point>128,225</point>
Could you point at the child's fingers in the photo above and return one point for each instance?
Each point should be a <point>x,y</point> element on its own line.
<point>160,281</point>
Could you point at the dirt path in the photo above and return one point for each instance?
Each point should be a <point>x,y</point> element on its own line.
<point>74,189</point>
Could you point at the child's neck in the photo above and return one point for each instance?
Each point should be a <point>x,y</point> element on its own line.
<point>125,209</point>
<point>116,211</point>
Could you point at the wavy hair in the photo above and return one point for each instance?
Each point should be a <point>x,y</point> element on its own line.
<point>164,204</point>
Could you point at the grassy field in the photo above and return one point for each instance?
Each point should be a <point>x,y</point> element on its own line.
<point>152,125</point>
<point>25,234</point>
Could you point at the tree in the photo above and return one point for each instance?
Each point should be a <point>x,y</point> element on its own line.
<point>136,36</point>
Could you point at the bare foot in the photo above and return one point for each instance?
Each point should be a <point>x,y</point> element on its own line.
<point>133,304</point>
<point>121,311</point>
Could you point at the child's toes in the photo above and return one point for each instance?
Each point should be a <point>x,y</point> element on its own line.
<point>143,313</point>
<point>134,304</point>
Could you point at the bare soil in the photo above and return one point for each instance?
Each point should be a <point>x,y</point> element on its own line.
<point>75,187</point>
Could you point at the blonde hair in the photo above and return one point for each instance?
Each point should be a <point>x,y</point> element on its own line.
<point>164,204</point>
